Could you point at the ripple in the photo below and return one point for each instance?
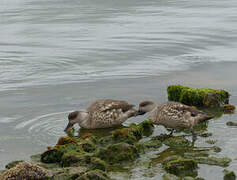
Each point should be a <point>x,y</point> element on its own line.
<point>46,129</point>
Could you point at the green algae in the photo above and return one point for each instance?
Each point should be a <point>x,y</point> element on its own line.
<point>204,97</point>
<point>168,176</point>
<point>182,167</point>
<point>116,153</point>
<point>230,123</point>
<point>211,141</point>
<point>229,175</point>
<point>176,141</point>
<point>223,162</point>
<point>94,175</point>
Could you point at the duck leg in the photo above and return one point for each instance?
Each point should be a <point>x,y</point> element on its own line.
<point>194,136</point>
<point>171,132</point>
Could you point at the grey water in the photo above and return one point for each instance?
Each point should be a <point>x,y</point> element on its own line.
<point>57,56</point>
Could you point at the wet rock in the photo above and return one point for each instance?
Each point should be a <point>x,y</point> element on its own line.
<point>94,175</point>
<point>205,134</point>
<point>168,176</point>
<point>96,163</point>
<point>211,141</point>
<point>152,144</point>
<point>230,123</point>
<point>176,141</point>
<point>204,97</point>
<point>69,173</point>
<point>181,167</point>
<point>119,152</point>
<point>65,140</point>
<point>75,159</point>
<point>13,164</point>
<point>229,175</point>
<point>26,170</point>
<point>133,133</point>
<point>223,162</point>
<point>51,156</point>
<point>228,108</point>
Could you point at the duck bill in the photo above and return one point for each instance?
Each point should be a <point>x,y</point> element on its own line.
<point>69,126</point>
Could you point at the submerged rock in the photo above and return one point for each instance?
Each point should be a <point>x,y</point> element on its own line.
<point>94,175</point>
<point>69,173</point>
<point>229,175</point>
<point>26,170</point>
<point>223,162</point>
<point>176,141</point>
<point>119,152</point>
<point>228,108</point>
<point>204,97</point>
<point>182,167</point>
<point>168,176</point>
<point>230,123</point>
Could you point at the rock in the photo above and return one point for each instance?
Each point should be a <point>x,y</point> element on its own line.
<point>65,140</point>
<point>69,173</point>
<point>176,141</point>
<point>228,108</point>
<point>223,162</point>
<point>230,123</point>
<point>51,156</point>
<point>94,175</point>
<point>96,163</point>
<point>204,97</point>
<point>205,134</point>
<point>75,159</point>
<point>168,176</point>
<point>229,175</point>
<point>119,152</point>
<point>152,144</point>
<point>181,167</point>
<point>13,164</point>
<point>26,170</point>
<point>211,141</point>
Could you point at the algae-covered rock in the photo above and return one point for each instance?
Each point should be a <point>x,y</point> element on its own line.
<point>51,156</point>
<point>230,123</point>
<point>96,163</point>
<point>176,141</point>
<point>13,164</point>
<point>94,175</point>
<point>211,141</point>
<point>69,173</point>
<point>229,175</point>
<point>74,159</point>
<point>134,132</point>
<point>152,144</point>
<point>119,152</point>
<point>223,162</point>
<point>66,140</point>
<point>182,167</point>
<point>26,170</point>
<point>206,97</point>
<point>228,108</point>
<point>168,176</point>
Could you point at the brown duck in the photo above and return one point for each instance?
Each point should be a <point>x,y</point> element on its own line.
<point>103,113</point>
<point>173,115</point>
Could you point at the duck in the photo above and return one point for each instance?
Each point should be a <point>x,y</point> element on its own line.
<point>174,115</point>
<point>103,113</point>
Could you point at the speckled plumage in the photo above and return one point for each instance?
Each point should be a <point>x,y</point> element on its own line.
<point>105,113</point>
<point>177,115</point>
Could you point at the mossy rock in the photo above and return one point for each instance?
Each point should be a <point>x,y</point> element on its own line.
<point>66,140</point>
<point>176,141</point>
<point>168,176</point>
<point>13,164</point>
<point>230,123</point>
<point>204,97</point>
<point>182,167</point>
<point>119,152</point>
<point>75,159</point>
<point>229,175</point>
<point>223,162</point>
<point>96,163</point>
<point>94,175</point>
<point>211,141</point>
<point>152,144</point>
<point>134,132</point>
<point>228,108</point>
<point>51,156</point>
<point>70,173</point>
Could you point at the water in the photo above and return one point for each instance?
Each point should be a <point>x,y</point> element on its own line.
<point>56,56</point>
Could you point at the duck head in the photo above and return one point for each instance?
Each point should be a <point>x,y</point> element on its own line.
<point>75,117</point>
<point>145,106</point>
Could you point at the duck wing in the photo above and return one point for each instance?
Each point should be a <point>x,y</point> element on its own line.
<point>108,105</point>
